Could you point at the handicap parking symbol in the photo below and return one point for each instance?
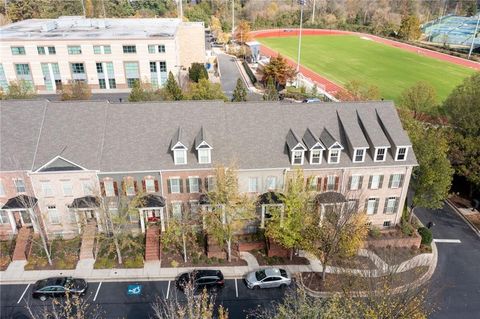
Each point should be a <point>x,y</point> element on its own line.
<point>134,290</point>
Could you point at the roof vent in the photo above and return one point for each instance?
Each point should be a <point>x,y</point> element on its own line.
<point>49,26</point>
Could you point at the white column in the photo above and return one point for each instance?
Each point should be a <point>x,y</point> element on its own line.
<point>157,65</point>
<point>322,213</point>
<point>262,222</point>
<point>142,220</point>
<point>77,219</point>
<point>105,74</point>
<point>13,223</point>
<point>162,221</point>
<point>34,220</point>
<point>52,77</point>
<point>99,221</point>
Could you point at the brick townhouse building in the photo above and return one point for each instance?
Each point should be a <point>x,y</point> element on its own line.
<point>70,153</point>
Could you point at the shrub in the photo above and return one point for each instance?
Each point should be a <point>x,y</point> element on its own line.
<point>174,263</point>
<point>374,232</point>
<point>426,234</point>
<point>197,71</point>
<point>136,262</point>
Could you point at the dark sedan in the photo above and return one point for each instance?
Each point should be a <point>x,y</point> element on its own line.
<point>58,286</point>
<point>199,279</point>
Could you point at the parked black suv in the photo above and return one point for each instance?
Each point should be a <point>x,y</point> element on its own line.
<point>209,279</point>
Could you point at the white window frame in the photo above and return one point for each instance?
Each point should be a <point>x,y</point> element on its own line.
<point>369,201</point>
<point>329,179</point>
<point>194,206</point>
<point>379,176</point>
<point>176,205</point>
<point>339,151</point>
<point>2,189</point>
<point>4,219</point>
<point>176,156</point>
<point>129,186</point>
<point>211,182</point>
<point>363,150</point>
<point>193,179</point>
<point>87,188</point>
<point>271,183</point>
<point>377,149</point>
<point>47,189</point>
<point>320,154</point>
<point>357,177</point>
<point>178,181</point>
<point>389,201</point>
<point>149,188</point>
<point>208,153</point>
<point>15,183</point>
<point>67,183</point>
<point>53,209</point>
<point>295,153</point>
<point>109,188</point>
<point>397,153</point>
<point>250,180</point>
<point>396,183</point>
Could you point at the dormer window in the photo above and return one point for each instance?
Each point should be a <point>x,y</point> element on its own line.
<point>380,154</point>
<point>333,156</point>
<point>180,156</point>
<point>204,156</point>
<point>316,157</point>
<point>203,148</point>
<point>359,155</point>
<point>297,157</point>
<point>401,154</point>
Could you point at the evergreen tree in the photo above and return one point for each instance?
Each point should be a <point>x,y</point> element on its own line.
<point>142,91</point>
<point>197,71</point>
<point>206,90</point>
<point>271,93</point>
<point>240,92</point>
<point>172,91</point>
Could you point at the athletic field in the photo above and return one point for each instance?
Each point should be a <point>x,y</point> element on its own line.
<point>342,58</point>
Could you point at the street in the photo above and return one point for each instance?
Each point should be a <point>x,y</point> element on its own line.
<point>455,285</point>
<point>113,299</point>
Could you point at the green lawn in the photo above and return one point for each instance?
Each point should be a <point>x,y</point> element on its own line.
<point>345,58</point>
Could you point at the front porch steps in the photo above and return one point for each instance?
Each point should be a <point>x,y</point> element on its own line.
<point>88,241</point>
<point>152,244</point>
<point>22,245</point>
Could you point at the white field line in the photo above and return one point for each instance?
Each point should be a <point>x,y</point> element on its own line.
<point>168,289</point>
<point>98,289</point>
<point>21,297</point>
<point>449,241</point>
<point>236,287</point>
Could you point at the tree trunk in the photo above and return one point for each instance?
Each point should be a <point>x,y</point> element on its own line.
<point>229,250</point>
<point>184,241</point>
<point>45,247</point>
<point>291,254</point>
<point>117,248</point>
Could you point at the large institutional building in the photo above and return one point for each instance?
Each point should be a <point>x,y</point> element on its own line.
<point>58,158</point>
<point>108,54</point>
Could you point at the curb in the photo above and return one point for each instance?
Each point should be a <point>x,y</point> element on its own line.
<point>459,213</point>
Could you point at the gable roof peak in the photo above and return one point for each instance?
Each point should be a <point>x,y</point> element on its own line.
<point>202,139</point>
<point>293,141</point>
<point>177,139</point>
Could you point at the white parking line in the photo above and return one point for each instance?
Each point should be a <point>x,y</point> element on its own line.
<point>450,241</point>
<point>21,297</point>
<point>236,287</point>
<point>98,289</point>
<point>168,289</point>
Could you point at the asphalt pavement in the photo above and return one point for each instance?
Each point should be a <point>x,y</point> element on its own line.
<point>114,301</point>
<point>455,285</point>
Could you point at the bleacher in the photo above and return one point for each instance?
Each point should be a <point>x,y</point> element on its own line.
<point>452,30</point>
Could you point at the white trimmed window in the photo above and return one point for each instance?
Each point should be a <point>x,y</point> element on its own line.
<point>401,154</point>
<point>372,205</point>
<point>109,189</point>
<point>355,182</point>
<point>150,185</point>
<point>375,181</point>
<point>129,186</point>
<point>380,154</point>
<point>180,156</point>
<point>175,187</point>
<point>297,157</point>
<point>2,188</point>
<point>253,184</point>
<point>359,155</point>
<point>46,188</point>
<point>271,183</point>
<point>194,184</point>
<point>395,180</point>
<point>211,182</point>
<point>331,179</point>
<point>390,205</point>
<point>67,188</point>
<point>194,206</point>
<point>177,210</point>
<point>4,217</point>
<point>19,185</point>
<point>333,156</point>
<point>87,188</point>
<point>316,157</point>
<point>204,156</point>
<point>53,215</point>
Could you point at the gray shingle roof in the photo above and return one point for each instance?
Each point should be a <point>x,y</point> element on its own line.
<point>310,139</point>
<point>351,127</point>
<point>371,128</point>
<point>392,127</point>
<point>177,138</point>
<point>327,139</point>
<point>137,136</point>
<point>202,137</point>
<point>293,140</point>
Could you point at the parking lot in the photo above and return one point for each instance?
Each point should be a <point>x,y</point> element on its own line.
<point>114,300</point>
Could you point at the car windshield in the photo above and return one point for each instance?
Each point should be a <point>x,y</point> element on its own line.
<point>283,273</point>
<point>260,275</point>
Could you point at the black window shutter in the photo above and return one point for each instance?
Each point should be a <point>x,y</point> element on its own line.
<point>385,206</point>
<point>370,182</point>
<point>350,183</point>
<point>381,182</point>
<point>402,178</point>
<point>377,201</point>
<point>199,184</point>
<point>397,202</point>
<point>206,184</point>
<point>360,182</point>
<point>390,181</point>
<point>181,184</point>
<point>187,180</point>
<point>169,186</point>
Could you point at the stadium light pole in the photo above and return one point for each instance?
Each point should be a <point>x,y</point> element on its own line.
<point>301,3</point>
<point>473,36</point>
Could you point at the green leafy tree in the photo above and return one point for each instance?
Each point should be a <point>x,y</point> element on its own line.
<point>279,71</point>
<point>358,91</point>
<point>240,92</point>
<point>76,90</point>
<point>23,9</point>
<point>18,90</point>
<point>119,8</point>
<point>463,110</point>
<point>410,28</point>
<point>198,12</point>
<point>142,91</point>
<point>286,227</point>
<point>271,93</point>
<point>197,71</point>
<point>206,90</point>
<point>172,91</point>
<point>230,208</point>
<point>181,233</point>
<point>419,98</point>
<point>432,179</point>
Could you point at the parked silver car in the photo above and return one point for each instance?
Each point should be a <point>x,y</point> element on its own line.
<point>268,278</point>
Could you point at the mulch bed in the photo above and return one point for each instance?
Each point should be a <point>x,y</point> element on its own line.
<point>461,202</point>
<point>395,256</point>
<point>132,254</point>
<point>175,259</point>
<point>474,219</point>
<point>337,282</point>
<point>6,252</point>
<point>263,260</point>
<point>355,262</point>
<point>63,252</point>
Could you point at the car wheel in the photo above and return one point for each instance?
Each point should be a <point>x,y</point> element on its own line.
<point>256,287</point>
<point>43,297</point>
<point>283,286</point>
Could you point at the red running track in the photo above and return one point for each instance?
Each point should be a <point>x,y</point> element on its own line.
<point>332,87</point>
